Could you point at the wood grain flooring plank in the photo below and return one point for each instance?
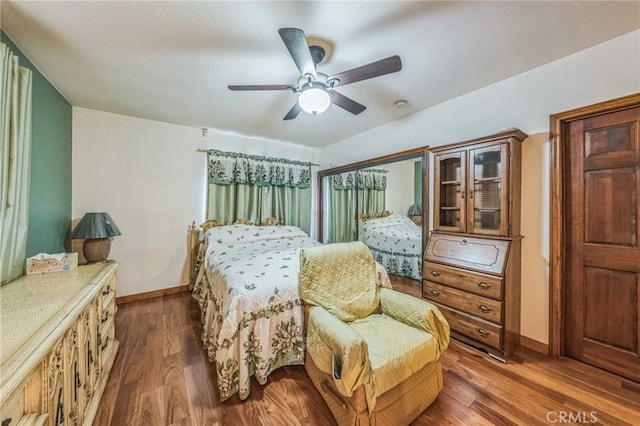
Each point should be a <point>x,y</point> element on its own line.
<point>449,411</point>
<point>152,408</point>
<point>172,332</point>
<point>495,417</point>
<point>176,399</point>
<point>127,405</point>
<point>201,391</point>
<point>154,361</point>
<point>459,389</point>
<point>587,414</point>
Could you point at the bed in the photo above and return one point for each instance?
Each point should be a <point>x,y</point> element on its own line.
<point>246,284</point>
<point>395,241</point>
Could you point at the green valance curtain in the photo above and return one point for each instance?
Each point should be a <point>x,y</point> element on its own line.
<point>372,179</point>
<point>372,190</point>
<point>257,187</point>
<point>15,163</point>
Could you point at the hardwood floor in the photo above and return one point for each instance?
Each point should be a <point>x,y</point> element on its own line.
<point>161,377</point>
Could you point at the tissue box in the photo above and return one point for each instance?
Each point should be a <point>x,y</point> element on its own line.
<point>58,262</point>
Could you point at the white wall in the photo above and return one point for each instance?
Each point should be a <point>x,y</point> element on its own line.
<point>400,182</point>
<point>149,176</point>
<point>603,72</point>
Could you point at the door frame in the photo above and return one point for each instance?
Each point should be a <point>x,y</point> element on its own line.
<point>559,174</point>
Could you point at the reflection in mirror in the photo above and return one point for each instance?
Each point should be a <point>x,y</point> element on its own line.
<point>390,215</point>
<point>340,200</point>
<point>380,202</point>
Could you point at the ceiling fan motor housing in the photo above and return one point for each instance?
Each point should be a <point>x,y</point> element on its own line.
<point>317,53</point>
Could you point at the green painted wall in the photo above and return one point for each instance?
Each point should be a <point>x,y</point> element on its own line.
<point>50,196</point>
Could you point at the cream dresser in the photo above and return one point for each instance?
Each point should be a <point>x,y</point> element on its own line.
<point>57,345</point>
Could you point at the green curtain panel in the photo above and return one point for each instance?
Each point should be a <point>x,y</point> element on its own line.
<point>258,187</point>
<point>370,185</point>
<point>15,163</point>
<point>372,189</point>
<point>342,212</point>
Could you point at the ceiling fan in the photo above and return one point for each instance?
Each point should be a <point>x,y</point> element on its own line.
<point>315,89</point>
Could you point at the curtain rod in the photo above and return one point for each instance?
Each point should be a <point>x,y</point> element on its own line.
<point>207,150</point>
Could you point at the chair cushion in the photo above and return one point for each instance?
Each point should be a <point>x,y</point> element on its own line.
<point>396,350</point>
<point>341,278</point>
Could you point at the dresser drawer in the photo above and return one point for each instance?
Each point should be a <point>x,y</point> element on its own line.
<point>482,284</point>
<point>482,307</point>
<point>108,292</point>
<point>475,328</point>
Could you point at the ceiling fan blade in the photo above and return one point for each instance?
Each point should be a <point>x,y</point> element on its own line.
<point>296,43</point>
<point>261,87</point>
<point>293,112</point>
<point>346,103</point>
<point>374,69</point>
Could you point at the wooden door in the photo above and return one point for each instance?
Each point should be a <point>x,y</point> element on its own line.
<point>602,272</point>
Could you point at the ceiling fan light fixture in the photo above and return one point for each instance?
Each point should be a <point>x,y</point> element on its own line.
<point>314,100</point>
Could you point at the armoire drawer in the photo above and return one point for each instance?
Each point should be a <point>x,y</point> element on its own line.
<point>475,328</point>
<point>488,309</point>
<point>482,284</point>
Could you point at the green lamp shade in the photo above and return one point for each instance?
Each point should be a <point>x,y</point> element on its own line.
<point>95,225</point>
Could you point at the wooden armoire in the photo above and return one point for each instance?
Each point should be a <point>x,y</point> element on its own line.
<point>471,267</point>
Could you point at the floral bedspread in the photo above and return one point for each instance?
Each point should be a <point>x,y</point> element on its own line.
<point>251,312</point>
<point>395,242</point>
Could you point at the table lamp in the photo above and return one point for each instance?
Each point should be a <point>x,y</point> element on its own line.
<point>96,229</point>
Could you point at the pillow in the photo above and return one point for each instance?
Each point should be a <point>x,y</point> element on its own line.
<point>234,234</point>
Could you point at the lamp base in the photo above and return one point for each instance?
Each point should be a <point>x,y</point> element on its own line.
<point>97,249</point>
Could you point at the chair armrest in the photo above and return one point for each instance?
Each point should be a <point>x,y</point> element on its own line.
<point>417,313</point>
<point>338,350</point>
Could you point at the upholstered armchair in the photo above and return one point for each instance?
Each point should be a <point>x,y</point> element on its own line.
<point>373,353</point>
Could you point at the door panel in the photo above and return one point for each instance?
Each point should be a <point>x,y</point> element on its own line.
<point>603,259</point>
<point>609,207</point>
<point>608,310</point>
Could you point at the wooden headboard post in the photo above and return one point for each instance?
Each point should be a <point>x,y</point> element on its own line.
<point>193,244</point>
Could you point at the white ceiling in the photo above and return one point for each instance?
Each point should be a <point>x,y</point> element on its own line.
<point>172,61</point>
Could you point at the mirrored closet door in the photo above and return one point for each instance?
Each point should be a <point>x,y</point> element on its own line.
<point>380,202</point>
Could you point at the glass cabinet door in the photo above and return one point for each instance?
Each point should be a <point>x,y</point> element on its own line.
<point>487,196</point>
<point>450,196</point>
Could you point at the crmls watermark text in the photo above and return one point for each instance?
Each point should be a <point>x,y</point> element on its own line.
<point>574,417</point>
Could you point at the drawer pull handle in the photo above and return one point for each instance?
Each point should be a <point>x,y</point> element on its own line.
<point>482,332</point>
<point>7,421</point>
<point>434,292</point>
<point>105,317</point>
<point>484,285</point>
<point>484,308</point>
<point>105,344</point>
<point>435,273</point>
<point>106,290</point>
